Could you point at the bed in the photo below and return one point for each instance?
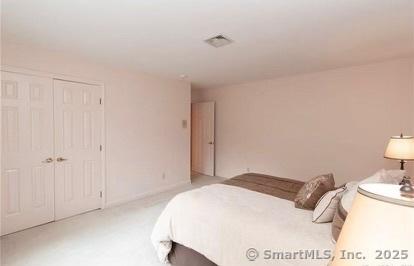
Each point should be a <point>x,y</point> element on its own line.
<point>246,220</point>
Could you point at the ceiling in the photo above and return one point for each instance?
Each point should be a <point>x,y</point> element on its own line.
<point>166,37</point>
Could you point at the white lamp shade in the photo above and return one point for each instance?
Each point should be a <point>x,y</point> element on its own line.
<point>378,229</point>
<point>400,148</point>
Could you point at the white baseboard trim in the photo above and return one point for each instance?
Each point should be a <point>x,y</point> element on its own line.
<point>147,194</point>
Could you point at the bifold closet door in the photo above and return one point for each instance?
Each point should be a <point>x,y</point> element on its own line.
<point>78,116</point>
<point>27,181</point>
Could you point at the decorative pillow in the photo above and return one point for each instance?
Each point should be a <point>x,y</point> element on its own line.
<point>313,190</point>
<point>338,222</point>
<point>382,176</point>
<point>393,176</point>
<point>327,205</point>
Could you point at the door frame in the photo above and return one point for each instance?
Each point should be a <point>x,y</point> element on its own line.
<point>31,72</point>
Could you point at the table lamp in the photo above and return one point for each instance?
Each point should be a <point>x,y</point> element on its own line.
<point>379,229</point>
<point>402,148</point>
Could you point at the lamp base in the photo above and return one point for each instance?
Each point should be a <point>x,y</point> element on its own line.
<point>407,189</point>
<point>405,180</point>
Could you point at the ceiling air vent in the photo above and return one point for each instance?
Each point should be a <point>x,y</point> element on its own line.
<point>218,41</point>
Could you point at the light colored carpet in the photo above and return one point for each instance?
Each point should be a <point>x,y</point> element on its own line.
<point>114,236</point>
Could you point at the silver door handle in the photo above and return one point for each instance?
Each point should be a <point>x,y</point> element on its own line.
<point>60,159</point>
<point>48,160</point>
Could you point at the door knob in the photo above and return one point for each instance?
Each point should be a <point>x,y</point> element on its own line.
<point>48,160</point>
<point>211,143</point>
<point>60,159</point>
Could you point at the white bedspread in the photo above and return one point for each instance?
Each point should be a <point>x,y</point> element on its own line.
<point>222,222</point>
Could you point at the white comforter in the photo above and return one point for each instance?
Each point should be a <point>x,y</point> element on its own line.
<point>222,222</point>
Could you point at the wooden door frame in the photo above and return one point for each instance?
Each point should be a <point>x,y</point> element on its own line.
<point>56,76</point>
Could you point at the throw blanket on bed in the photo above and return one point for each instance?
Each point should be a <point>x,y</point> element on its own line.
<point>223,222</point>
<point>284,188</point>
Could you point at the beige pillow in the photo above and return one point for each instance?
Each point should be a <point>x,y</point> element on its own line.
<point>313,190</point>
<point>327,205</point>
<point>382,176</point>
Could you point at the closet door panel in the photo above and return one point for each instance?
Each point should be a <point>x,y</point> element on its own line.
<point>77,145</point>
<point>27,173</point>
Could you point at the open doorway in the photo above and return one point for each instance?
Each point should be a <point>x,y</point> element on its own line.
<point>202,138</point>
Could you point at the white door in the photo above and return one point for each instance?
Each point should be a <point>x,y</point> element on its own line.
<point>202,138</point>
<point>27,181</point>
<point>78,173</point>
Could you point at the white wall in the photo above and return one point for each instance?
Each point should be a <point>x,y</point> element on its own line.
<point>333,121</point>
<point>144,137</point>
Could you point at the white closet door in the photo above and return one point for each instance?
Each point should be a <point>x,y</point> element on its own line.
<point>78,173</point>
<point>202,138</point>
<point>27,183</point>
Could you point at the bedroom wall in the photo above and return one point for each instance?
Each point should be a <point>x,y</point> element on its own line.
<point>300,126</point>
<point>144,137</point>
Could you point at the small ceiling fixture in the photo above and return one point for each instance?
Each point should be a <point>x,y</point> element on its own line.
<point>218,41</point>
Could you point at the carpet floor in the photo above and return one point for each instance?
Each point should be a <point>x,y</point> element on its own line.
<point>113,236</point>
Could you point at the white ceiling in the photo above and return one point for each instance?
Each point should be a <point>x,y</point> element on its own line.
<point>165,37</point>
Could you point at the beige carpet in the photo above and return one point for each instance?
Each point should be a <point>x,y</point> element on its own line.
<point>114,236</point>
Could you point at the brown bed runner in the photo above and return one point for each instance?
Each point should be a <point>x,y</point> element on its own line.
<point>284,188</point>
